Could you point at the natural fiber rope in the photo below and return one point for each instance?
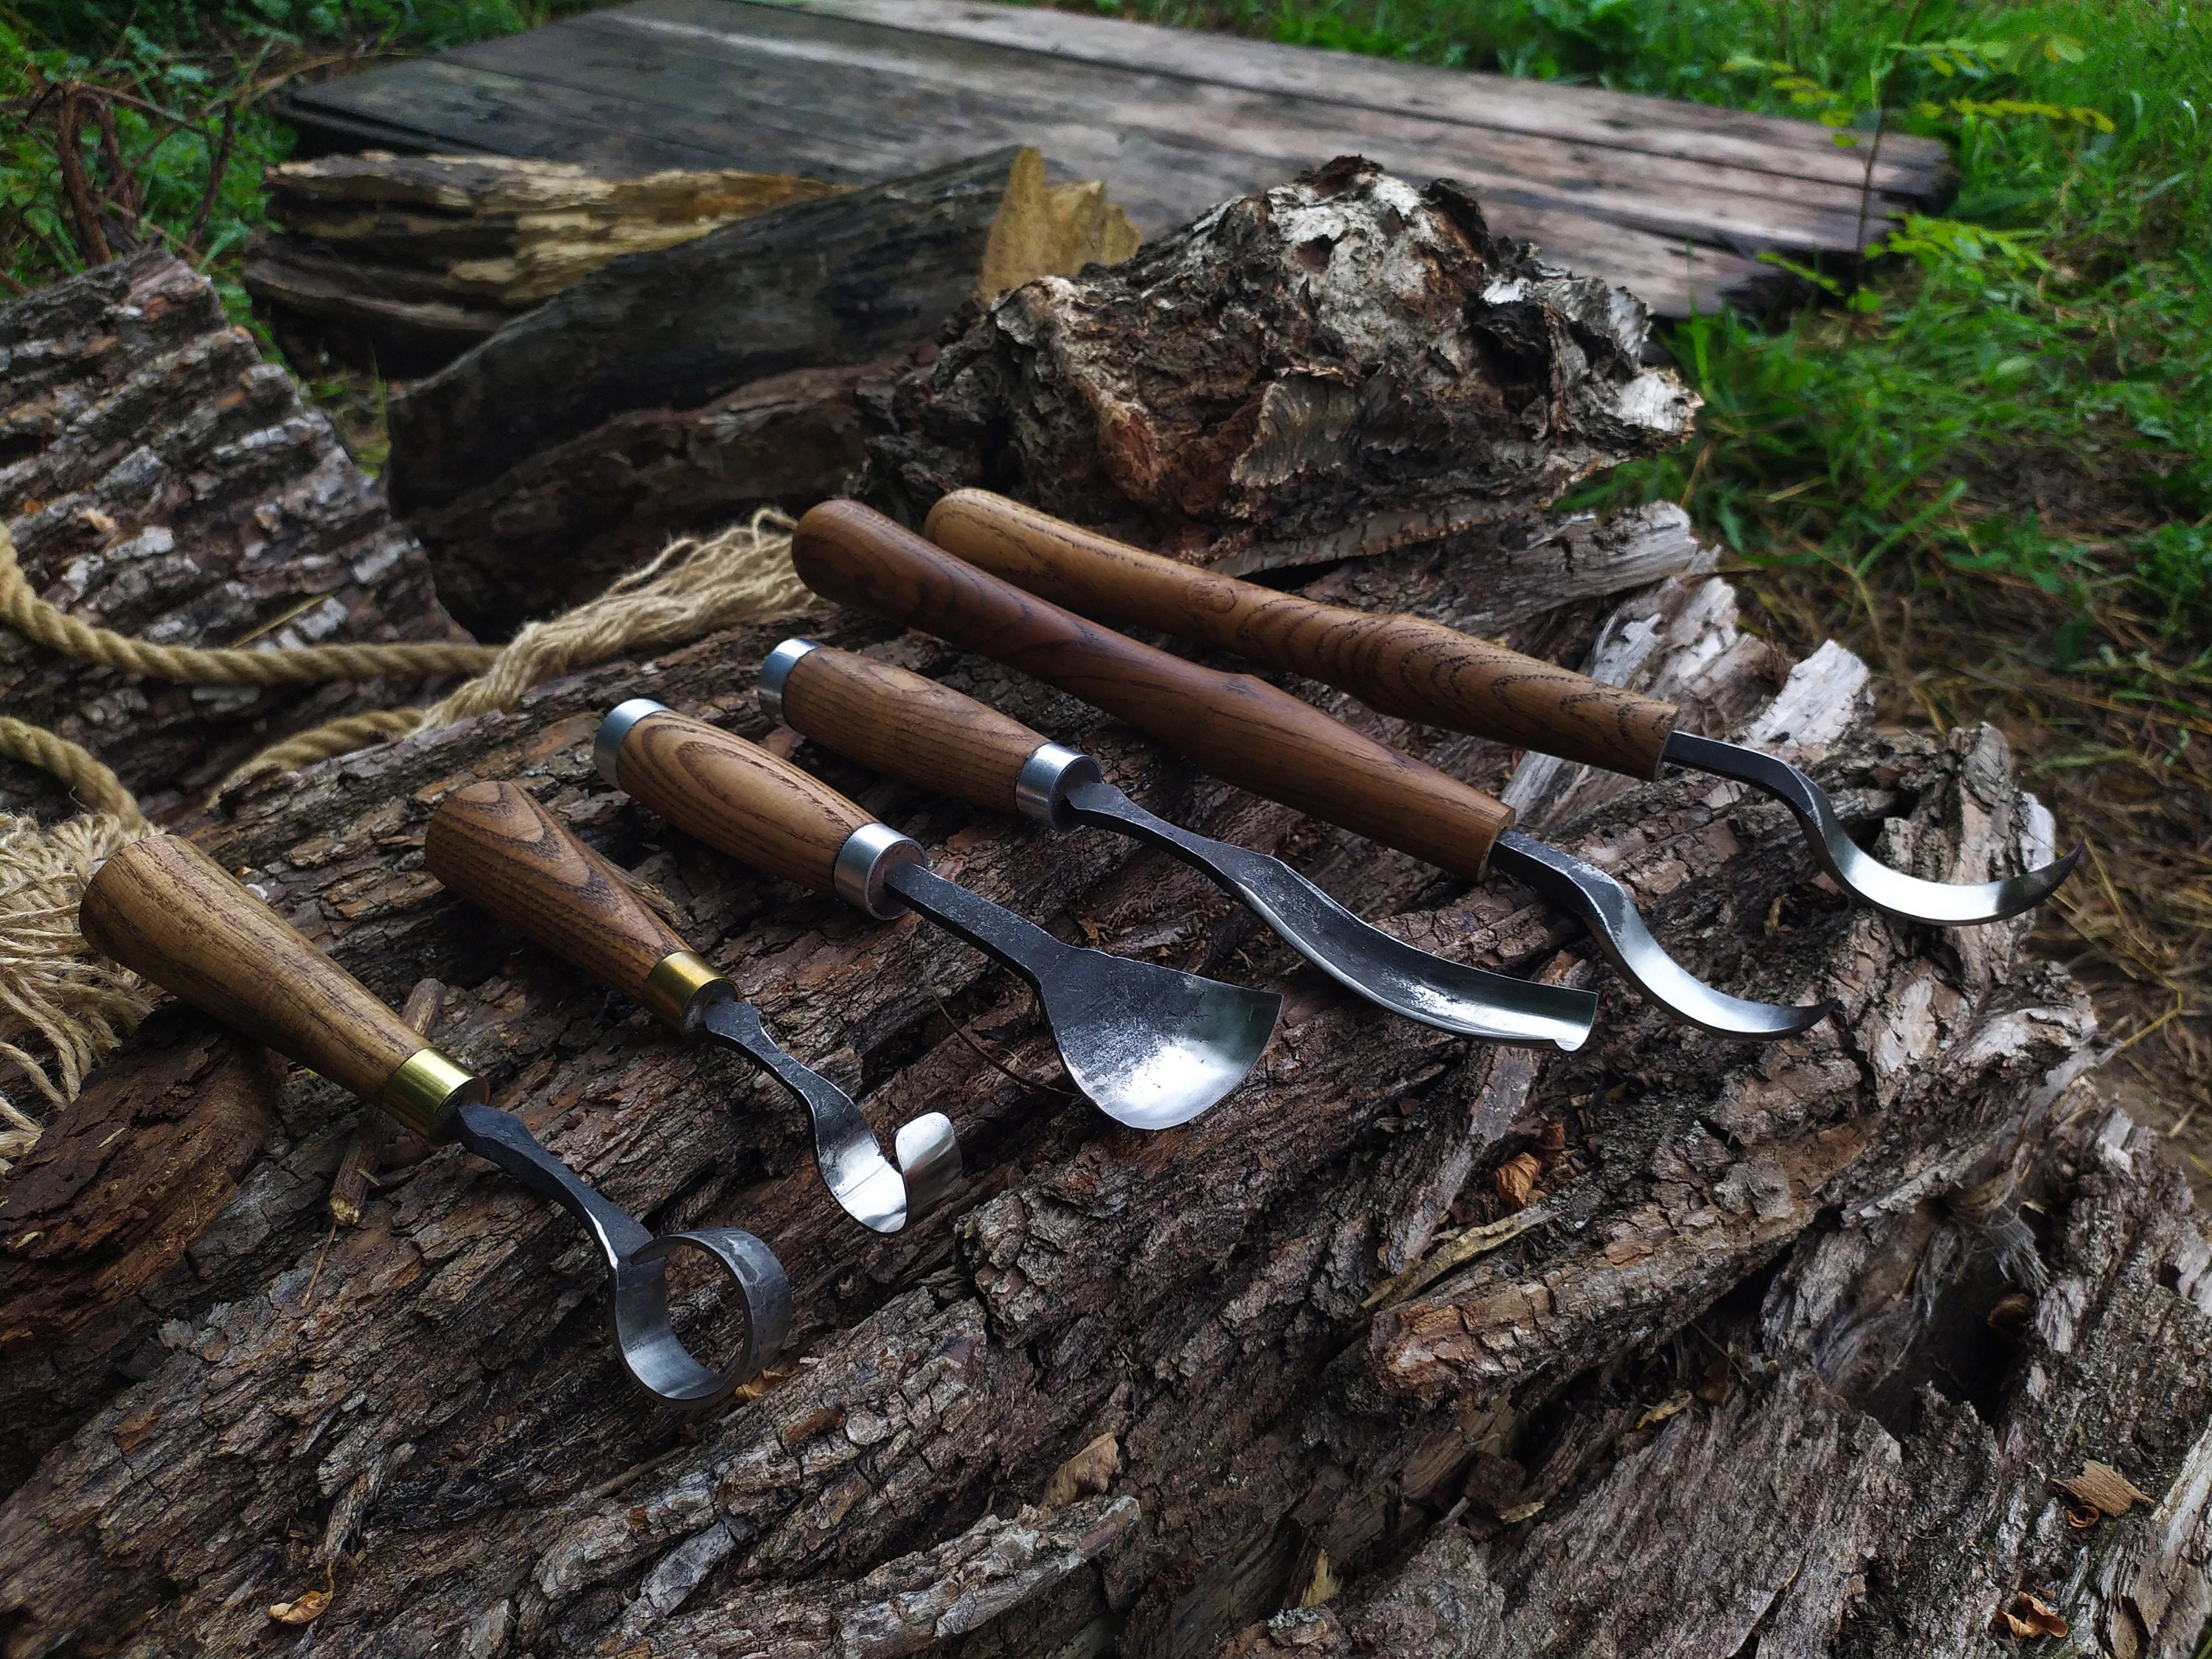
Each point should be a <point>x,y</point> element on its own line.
<point>78,1005</point>
<point>297,665</point>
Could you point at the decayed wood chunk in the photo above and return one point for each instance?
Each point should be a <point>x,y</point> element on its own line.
<point>159,479</point>
<point>1247,1305</point>
<point>1337,366</point>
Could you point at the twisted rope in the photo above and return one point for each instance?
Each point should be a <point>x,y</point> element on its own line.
<point>297,665</point>
<point>75,1006</point>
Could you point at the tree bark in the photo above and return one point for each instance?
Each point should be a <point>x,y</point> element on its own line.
<point>1309,1321</point>
<point>1333,368</point>
<point>159,479</point>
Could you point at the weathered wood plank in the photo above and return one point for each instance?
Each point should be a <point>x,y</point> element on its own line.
<point>1659,126</point>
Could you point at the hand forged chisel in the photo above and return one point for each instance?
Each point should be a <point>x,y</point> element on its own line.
<point>902,724</point>
<point>1248,733</point>
<point>1424,671</point>
<point>495,846</point>
<point>168,912</point>
<point>1151,1048</point>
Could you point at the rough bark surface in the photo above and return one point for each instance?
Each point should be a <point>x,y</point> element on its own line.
<point>159,479</point>
<point>1745,1367</point>
<point>839,279</point>
<point>1338,366</point>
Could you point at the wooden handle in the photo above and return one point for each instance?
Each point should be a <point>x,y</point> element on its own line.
<point>904,725</point>
<point>738,797</point>
<point>168,912</point>
<point>1404,666</point>
<point>498,848</point>
<point>1240,729</point>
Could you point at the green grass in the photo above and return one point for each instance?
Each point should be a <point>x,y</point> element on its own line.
<point>2025,396</point>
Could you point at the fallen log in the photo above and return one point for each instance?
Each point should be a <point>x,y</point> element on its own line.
<point>158,478</point>
<point>1311,1320</point>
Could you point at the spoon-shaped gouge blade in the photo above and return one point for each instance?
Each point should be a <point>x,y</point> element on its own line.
<point>900,723</point>
<point>497,847</point>
<point>1150,1046</point>
<point>1242,730</point>
<point>1425,671</point>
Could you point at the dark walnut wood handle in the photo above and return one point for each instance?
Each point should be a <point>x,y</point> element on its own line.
<point>1404,665</point>
<point>498,848</point>
<point>170,914</point>
<point>738,797</point>
<point>906,726</point>
<point>1241,729</point>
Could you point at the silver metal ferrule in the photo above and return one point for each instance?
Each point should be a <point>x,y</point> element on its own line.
<point>775,671</point>
<point>1041,787</point>
<point>616,728</point>
<point>865,863</point>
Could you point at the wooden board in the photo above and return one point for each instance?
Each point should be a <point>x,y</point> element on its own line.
<point>1673,200</point>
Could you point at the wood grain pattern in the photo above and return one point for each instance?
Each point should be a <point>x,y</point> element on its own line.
<point>1241,729</point>
<point>905,725</point>
<point>169,913</point>
<point>498,848</point>
<point>738,797</point>
<point>1404,666</point>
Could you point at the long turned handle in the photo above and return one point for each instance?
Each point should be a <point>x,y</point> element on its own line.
<point>1404,665</point>
<point>1240,729</point>
<point>170,914</point>
<point>900,723</point>
<point>493,844</point>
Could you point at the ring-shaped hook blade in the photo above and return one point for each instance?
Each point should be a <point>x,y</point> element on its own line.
<point>1941,903</point>
<point>653,1354</point>
<point>1617,928</point>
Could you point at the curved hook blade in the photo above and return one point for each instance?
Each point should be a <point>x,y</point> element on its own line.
<point>860,1177</point>
<point>1941,903</point>
<point>1614,922</point>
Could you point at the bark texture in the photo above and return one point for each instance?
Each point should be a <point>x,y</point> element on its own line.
<point>161,480</point>
<point>1337,366</point>
<point>1785,1345</point>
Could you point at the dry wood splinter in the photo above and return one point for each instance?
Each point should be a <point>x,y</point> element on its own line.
<point>169,913</point>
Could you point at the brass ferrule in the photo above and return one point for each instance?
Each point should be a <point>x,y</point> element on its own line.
<point>422,1088</point>
<point>675,984</point>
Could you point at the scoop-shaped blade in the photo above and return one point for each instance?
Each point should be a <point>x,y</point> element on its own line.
<point>1388,972</point>
<point>852,1165</point>
<point>1943,903</point>
<point>1614,922</point>
<point>1150,1046</point>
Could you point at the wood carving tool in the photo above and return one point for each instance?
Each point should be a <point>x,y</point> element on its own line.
<point>901,723</point>
<point>168,912</point>
<point>1424,671</point>
<point>498,848</point>
<point>1252,734</point>
<point>1153,1048</point>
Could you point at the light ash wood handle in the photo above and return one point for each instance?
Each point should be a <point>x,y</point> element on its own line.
<point>1240,729</point>
<point>738,797</point>
<point>906,726</point>
<point>498,848</point>
<point>1404,665</point>
<point>170,914</point>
